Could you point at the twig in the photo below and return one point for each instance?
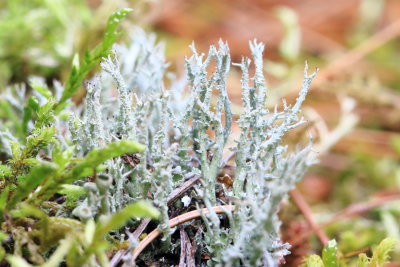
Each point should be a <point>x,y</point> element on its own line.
<point>182,189</point>
<point>359,208</point>
<point>186,257</point>
<point>174,222</point>
<point>116,258</point>
<point>135,235</point>
<point>305,209</point>
<point>182,257</point>
<point>139,230</point>
<point>348,212</point>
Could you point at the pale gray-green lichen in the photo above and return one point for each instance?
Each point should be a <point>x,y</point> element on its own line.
<point>187,135</point>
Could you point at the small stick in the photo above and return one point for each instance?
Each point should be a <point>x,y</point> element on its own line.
<point>116,258</point>
<point>307,213</point>
<point>182,189</point>
<point>186,259</point>
<point>139,230</point>
<point>191,250</point>
<point>182,259</point>
<point>352,210</point>
<point>177,221</point>
<point>359,208</point>
<point>135,235</point>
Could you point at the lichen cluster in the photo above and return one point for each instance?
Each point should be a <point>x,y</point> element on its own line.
<point>186,134</point>
<point>140,135</point>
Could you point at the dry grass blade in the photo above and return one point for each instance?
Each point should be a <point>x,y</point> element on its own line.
<point>351,211</point>
<point>359,52</point>
<point>306,210</point>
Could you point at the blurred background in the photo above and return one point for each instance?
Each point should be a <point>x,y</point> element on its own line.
<point>353,109</point>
